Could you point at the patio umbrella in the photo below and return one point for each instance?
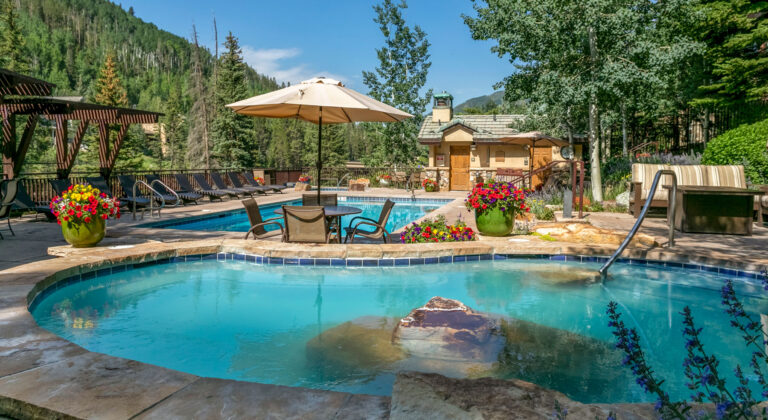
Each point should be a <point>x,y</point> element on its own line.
<point>319,100</point>
<point>532,139</point>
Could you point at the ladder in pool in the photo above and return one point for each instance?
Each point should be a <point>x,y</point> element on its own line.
<point>670,219</point>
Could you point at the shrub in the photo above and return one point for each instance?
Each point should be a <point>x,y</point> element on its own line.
<point>540,210</point>
<point>437,230</point>
<point>669,158</point>
<point>744,145</point>
<point>616,170</point>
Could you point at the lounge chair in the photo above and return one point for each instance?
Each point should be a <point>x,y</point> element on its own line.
<point>205,186</point>
<point>252,188</point>
<point>325,200</point>
<point>307,225</point>
<point>101,184</point>
<point>127,182</point>
<point>24,202</point>
<point>59,185</point>
<point>187,187</point>
<point>219,182</point>
<point>380,226</point>
<point>273,187</point>
<point>10,188</point>
<point>257,223</point>
<point>168,193</point>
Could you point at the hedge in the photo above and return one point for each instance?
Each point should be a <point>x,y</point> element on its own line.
<point>743,145</point>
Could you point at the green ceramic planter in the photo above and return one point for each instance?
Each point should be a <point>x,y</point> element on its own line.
<point>494,222</point>
<point>83,235</point>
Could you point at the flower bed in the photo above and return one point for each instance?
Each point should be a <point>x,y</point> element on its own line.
<point>437,230</point>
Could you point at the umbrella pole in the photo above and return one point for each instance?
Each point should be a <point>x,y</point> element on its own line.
<point>319,152</point>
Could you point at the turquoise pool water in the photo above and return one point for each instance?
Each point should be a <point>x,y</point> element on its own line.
<point>404,212</point>
<point>290,325</point>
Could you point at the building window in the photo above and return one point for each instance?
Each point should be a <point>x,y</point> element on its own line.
<point>500,156</point>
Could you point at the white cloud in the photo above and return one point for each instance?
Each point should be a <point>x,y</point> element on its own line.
<point>270,61</point>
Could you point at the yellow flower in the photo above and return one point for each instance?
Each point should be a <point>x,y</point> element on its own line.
<point>96,191</point>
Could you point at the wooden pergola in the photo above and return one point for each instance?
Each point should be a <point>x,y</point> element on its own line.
<point>30,97</point>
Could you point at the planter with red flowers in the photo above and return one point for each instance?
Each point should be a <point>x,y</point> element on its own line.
<point>495,205</point>
<point>430,185</point>
<point>259,180</point>
<point>303,184</point>
<point>82,211</point>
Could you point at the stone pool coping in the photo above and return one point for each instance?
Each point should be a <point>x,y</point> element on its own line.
<point>43,375</point>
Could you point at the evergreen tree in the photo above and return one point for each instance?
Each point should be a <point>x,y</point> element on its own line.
<point>232,134</point>
<point>198,144</point>
<point>397,81</point>
<point>175,127</point>
<point>11,42</point>
<point>108,90</point>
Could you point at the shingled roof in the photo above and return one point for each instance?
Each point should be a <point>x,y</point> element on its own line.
<point>486,128</point>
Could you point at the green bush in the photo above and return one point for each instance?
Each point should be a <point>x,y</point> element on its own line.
<point>744,145</point>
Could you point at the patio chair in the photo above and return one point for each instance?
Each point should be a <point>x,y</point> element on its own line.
<point>24,202</point>
<point>10,188</point>
<point>162,188</point>
<point>127,182</point>
<point>219,182</point>
<point>307,225</point>
<point>59,185</point>
<point>325,199</point>
<point>252,188</point>
<point>257,223</point>
<point>380,226</point>
<point>205,186</point>
<point>186,187</point>
<point>101,184</point>
<point>273,187</point>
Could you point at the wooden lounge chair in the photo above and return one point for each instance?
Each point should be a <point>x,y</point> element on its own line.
<point>307,225</point>
<point>379,226</point>
<point>101,184</point>
<point>24,202</point>
<point>187,187</point>
<point>252,188</point>
<point>9,188</point>
<point>185,197</point>
<point>219,182</point>
<point>60,185</point>
<point>271,187</point>
<point>205,186</point>
<point>257,223</point>
<point>325,199</point>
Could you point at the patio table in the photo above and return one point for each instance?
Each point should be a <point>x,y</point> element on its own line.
<point>334,212</point>
<point>725,210</point>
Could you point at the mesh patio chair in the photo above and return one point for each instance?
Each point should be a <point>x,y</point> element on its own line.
<point>205,186</point>
<point>233,178</point>
<point>10,188</point>
<point>379,226</point>
<point>257,223</point>
<point>219,182</point>
<point>325,200</point>
<point>187,187</point>
<point>307,225</point>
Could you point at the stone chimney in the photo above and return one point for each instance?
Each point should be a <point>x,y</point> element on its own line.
<point>442,107</point>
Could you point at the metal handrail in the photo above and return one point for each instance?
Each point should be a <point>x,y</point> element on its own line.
<point>151,201</point>
<point>338,185</point>
<point>641,217</point>
<point>167,188</point>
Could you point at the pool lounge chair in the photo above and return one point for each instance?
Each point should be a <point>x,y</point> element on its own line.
<point>310,199</point>
<point>127,182</point>
<point>59,185</point>
<point>186,187</point>
<point>186,197</point>
<point>380,226</point>
<point>24,202</point>
<point>252,188</point>
<point>257,223</point>
<point>271,187</point>
<point>9,189</point>
<point>219,182</point>
<point>205,186</point>
<point>307,225</point>
<point>99,183</point>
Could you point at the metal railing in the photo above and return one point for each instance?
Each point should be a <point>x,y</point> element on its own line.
<point>641,217</point>
<point>170,190</point>
<point>151,200</point>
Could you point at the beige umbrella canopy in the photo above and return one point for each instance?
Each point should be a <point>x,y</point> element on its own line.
<point>319,100</point>
<point>533,139</point>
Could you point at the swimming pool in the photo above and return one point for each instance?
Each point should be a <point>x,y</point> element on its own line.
<point>331,327</point>
<point>404,212</point>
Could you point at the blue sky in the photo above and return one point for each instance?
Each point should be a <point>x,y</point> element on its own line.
<point>294,40</point>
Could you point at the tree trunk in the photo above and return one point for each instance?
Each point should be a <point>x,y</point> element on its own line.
<point>624,145</point>
<point>594,140</point>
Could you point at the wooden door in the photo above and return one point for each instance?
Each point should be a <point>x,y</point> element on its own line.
<point>541,157</point>
<point>460,168</point>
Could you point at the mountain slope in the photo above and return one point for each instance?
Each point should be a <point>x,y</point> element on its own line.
<point>478,102</point>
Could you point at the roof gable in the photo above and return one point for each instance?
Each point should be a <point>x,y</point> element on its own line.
<point>485,128</point>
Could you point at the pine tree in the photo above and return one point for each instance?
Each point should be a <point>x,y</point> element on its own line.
<point>11,41</point>
<point>109,90</point>
<point>232,134</point>
<point>397,81</point>
<point>198,139</point>
<point>175,127</point>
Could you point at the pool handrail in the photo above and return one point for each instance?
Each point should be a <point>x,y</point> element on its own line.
<point>151,201</point>
<point>641,217</point>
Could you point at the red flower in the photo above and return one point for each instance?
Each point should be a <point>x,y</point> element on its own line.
<point>87,219</point>
<point>71,212</point>
<point>104,216</point>
<point>79,214</point>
